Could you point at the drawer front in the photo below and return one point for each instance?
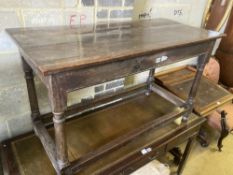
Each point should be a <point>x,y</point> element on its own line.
<point>135,161</point>
<point>99,74</point>
<point>147,154</point>
<point>72,80</point>
<point>144,160</point>
<point>181,53</point>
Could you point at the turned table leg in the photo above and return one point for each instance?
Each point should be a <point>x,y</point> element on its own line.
<point>202,60</point>
<point>185,155</point>
<point>29,77</point>
<point>60,139</point>
<point>58,103</point>
<point>58,100</point>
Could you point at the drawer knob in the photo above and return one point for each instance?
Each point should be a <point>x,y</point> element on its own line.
<point>161,59</point>
<point>146,150</point>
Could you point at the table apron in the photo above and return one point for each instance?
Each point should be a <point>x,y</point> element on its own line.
<point>81,78</point>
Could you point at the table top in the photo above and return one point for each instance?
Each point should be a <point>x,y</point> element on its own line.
<point>55,49</point>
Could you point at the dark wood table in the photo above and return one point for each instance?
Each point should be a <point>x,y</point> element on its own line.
<point>67,59</point>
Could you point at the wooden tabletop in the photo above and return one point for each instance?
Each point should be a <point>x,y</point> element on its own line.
<point>55,49</point>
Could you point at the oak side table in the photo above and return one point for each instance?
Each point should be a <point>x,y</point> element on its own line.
<point>67,59</point>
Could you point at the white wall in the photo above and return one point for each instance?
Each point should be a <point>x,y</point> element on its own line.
<point>189,12</point>
<point>14,106</point>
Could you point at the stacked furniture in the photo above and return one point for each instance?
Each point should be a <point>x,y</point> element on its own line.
<point>210,96</point>
<point>115,133</point>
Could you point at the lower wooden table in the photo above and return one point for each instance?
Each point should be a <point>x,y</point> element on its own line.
<point>26,156</point>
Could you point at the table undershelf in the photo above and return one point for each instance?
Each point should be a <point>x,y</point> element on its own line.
<point>101,132</point>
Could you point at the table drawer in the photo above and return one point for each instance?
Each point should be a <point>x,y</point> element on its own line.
<point>135,161</point>
<point>109,71</point>
<point>144,160</point>
<point>179,54</point>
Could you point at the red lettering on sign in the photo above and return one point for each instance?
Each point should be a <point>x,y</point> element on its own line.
<point>82,18</point>
<point>72,19</point>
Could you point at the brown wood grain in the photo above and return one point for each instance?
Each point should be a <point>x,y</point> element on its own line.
<point>54,49</point>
